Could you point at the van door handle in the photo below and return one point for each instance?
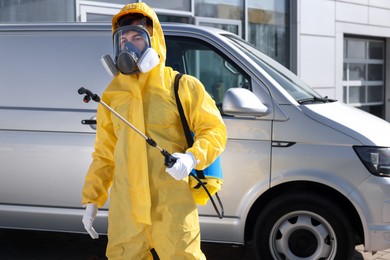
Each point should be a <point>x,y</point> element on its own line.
<point>88,122</point>
<point>282,144</point>
<point>91,122</point>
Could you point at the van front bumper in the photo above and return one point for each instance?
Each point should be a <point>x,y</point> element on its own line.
<point>372,201</point>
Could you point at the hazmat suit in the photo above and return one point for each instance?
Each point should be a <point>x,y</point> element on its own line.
<point>148,208</point>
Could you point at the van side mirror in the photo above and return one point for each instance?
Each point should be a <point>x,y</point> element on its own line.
<point>242,102</point>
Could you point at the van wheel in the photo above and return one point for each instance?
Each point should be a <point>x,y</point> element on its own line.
<point>303,226</point>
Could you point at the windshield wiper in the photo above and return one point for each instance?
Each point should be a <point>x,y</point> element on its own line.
<point>315,100</point>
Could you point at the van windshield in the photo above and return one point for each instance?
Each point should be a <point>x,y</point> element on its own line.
<point>286,79</point>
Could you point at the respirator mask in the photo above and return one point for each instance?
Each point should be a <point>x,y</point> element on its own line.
<point>132,51</point>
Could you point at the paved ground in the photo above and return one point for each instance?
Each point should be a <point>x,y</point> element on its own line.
<point>32,245</point>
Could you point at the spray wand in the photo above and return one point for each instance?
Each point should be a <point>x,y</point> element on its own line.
<point>169,160</point>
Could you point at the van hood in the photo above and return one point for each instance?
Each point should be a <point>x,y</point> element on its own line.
<point>358,124</point>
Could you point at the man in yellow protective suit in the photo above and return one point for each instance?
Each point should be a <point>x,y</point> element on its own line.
<point>151,206</point>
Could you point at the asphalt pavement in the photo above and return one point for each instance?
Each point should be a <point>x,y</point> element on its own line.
<point>35,245</point>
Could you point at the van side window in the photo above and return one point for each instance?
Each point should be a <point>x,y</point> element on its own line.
<point>212,68</point>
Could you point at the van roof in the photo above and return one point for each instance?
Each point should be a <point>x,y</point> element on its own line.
<point>73,26</point>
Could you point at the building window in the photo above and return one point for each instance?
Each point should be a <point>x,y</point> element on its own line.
<point>269,28</point>
<point>222,9</point>
<point>36,11</point>
<point>222,14</point>
<point>363,74</point>
<point>178,5</point>
<point>102,11</point>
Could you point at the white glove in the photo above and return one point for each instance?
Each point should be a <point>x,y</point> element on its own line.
<point>88,218</point>
<point>183,166</point>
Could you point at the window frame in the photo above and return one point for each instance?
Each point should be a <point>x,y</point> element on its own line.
<point>208,21</point>
<point>365,84</point>
<point>247,79</point>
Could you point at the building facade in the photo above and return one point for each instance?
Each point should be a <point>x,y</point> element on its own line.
<point>341,48</point>
<point>343,51</point>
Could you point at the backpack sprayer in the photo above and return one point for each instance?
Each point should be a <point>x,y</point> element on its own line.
<point>169,160</point>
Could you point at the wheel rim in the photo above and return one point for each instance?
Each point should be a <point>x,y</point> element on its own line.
<point>302,235</point>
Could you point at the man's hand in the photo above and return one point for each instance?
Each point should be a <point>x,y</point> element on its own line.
<point>88,218</point>
<point>183,166</point>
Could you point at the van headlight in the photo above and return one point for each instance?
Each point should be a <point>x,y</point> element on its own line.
<point>376,159</point>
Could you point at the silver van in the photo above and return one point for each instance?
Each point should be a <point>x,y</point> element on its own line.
<point>305,177</point>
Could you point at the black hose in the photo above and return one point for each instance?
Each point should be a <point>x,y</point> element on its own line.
<point>220,214</point>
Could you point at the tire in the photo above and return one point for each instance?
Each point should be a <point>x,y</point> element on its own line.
<point>303,225</point>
